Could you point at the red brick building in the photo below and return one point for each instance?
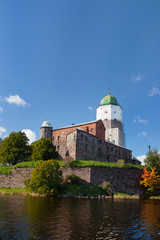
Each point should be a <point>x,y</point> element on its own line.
<point>85,141</point>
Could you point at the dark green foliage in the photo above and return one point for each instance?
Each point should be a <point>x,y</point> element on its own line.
<point>153,159</point>
<point>82,190</point>
<point>73,179</point>
<point>0,141</point>
<point>15,149</point>
<point>43,149</point>
<point>46,178</point>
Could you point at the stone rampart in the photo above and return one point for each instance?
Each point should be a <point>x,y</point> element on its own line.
<point>121,179</point>
<point>16,178</point>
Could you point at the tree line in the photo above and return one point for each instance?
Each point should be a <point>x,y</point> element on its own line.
<point>15,148</point>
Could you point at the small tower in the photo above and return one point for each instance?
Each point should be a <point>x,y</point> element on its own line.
<point>46,130</point>
<point>110,112</point>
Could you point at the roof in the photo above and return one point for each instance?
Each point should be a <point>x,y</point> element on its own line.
<point>76,125</point>
<point>46,124</point>
<point>107,100</point>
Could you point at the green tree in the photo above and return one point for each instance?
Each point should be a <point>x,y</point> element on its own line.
<point>153,159</point>
<point>0,141</point>
<point>46,178</point>
<point>43,149</point>
<point>14,149</point>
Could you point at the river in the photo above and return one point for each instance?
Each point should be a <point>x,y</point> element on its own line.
<point>24,217</point>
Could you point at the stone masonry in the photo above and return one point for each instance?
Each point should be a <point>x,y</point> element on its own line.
<point>121,179</point>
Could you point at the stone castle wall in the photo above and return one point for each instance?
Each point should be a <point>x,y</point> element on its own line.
<point>89,147</point>
<point>122,180</point>
<point>16,178</point>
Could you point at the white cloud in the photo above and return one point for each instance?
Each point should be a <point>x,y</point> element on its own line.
<point>141,159</point>
<point>138,119</point>
<point>2,130</point>
<point>31,135</point>
<point>142,134</point>
<point>154,91</point>
<point>137,78</point>
<point>1,109</point>
<point>16,100</point>
<point>90,108</point>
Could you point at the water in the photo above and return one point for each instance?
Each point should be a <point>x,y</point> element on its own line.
<point>68,218</point>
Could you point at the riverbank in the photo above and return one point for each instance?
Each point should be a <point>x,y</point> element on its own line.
<point>72,190</point>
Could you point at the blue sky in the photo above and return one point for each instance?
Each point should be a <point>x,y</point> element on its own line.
<point>58,58</point>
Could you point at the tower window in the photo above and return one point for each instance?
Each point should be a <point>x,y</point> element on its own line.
<point>57,147</point>
<point>86,146</point>
<point>53,138</point>
<point>92,130</point>
<point>58,138</point>
<point>114,119</point>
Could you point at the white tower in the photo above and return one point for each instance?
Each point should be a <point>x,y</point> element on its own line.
<point>110,112</point>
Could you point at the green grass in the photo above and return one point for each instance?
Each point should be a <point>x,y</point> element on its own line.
<point>79,163</point>
<point>5,170</point>
<point>121,193</point>
<point>10,191</point>
<point>82,190</point>
<point>30,164</point>
<point>82,163</point>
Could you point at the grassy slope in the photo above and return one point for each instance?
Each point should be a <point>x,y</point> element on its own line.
<point>80,163</point>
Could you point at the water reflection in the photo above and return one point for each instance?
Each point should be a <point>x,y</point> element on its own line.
<point>62,218</point>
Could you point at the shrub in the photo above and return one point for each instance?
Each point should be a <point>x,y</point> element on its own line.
<point>73,179</point>
<point>67,161</point>
<point>121,162</point>
<point>150,180</point>
<point>106,187</point>
<point>46,178</point>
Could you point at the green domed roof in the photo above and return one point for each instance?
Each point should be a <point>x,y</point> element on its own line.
<point>107,100</point>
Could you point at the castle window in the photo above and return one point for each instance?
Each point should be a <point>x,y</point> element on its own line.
<point>86,146</point>
<point>53,138</point>
<point>92,130</point>
<point>114,111</point>
<point>57,147</point>
<point>114,119</point>
<point>58,138</point>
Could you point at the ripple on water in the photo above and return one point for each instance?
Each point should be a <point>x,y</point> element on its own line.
<point>61,218</point>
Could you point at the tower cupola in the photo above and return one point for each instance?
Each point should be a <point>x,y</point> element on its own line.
<point>46,130</point>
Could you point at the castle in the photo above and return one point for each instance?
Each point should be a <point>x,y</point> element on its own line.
<point>99,140</point>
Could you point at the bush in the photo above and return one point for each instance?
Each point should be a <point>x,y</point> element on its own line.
<point>73,179</point>
<point>106,187</point>
<point>150,180</point>
<point>121,162</point>
<point>46,178</point>
<point>67,161</point>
